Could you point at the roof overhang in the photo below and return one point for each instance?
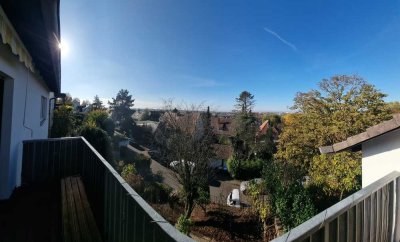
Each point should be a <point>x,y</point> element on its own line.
<point>37,23</point>
<point>354,143</point>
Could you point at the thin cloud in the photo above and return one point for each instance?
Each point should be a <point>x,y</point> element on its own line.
<point>281,39</point>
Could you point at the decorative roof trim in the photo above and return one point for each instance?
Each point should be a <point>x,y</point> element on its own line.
<point>370,133</point>
<point>9,36</point>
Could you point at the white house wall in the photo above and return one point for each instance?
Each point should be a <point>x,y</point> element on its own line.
<point>22,98</point>
<point>381,155</point>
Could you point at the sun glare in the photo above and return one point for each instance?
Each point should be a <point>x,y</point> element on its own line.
<point>63,45</point>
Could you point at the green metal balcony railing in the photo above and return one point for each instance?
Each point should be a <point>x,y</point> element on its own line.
<point>371,214</point>
<point>121,214</point>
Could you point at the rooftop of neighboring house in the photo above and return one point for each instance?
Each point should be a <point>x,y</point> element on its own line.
<point>223,125</point>
<point>354,142</point>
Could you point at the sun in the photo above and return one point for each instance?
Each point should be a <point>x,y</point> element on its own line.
<point>64,47</point>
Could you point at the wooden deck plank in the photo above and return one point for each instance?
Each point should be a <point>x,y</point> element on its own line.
<point>78,220</point>
<point>88,212</point>
<point>65,215</point>
<point>80,211</point>
<point>71,207</point>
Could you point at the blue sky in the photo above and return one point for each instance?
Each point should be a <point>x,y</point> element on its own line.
<point>209,51</point>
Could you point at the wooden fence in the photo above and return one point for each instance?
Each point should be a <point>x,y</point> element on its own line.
<point>121,214</point>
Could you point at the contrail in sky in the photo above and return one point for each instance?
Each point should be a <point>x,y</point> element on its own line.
<point>281,39</point>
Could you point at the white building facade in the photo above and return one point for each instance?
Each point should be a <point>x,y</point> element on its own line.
<point>24,99</point>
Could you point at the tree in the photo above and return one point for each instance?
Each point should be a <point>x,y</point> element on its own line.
<point>85,103</point>
<point>337,174</point>
<point>343,106</point>
<point>121,106</point>
<point>245,127</point>
<point>394,107</point>
<point>145,115</point>
<point>188,141</point>
<point>97,103</point>
<point>245,102</point>
<point>63,121</point>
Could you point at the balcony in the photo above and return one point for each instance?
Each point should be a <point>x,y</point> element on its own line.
<point>371,214</point>
<point>120,213</point>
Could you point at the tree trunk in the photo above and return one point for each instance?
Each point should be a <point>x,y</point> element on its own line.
<point>189,205</point>
<point>278,226</point>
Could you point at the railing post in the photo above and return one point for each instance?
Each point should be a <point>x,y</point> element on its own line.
<point>396,214</point>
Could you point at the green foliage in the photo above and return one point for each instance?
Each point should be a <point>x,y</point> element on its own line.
<point>63,121</point>
<point>394,107</point>
<point>337,174</point>
<point>261,202</point>
<point>97,117</point>
<point>97,103</point>
<point>203,198</point>
<point>129,169</point>
<point>245,102</point>
<point>233,166</point>
<point>121,106</point>
<point>142,134</point>
<point>245,169</point>
<point>99,139</point>
<point>344,106</point>
<point>130,175</point>
<point>184,224</point>
<point>108,126</point>
<point>293,205</point>
<point>156,192</point>
<point>130,157</point>
<point>274,119</point>
<point>128,127</point>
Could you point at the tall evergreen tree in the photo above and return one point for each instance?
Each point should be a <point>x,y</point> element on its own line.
<point>97,103</point>
<point>121,106</point>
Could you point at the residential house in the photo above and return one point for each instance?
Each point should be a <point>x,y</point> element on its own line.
<point>32,167</point>
<point>373,213</point>
<point>380,146</point>
<point>223,125</point>
<point>29,78</point>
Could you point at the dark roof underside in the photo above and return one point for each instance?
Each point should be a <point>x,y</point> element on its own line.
<point>37,23</point>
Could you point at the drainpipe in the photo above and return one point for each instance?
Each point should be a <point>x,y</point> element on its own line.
<point>60,95</point>
<point>26,96</point>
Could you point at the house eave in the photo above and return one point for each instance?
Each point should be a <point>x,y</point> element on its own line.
<point>354,143</point>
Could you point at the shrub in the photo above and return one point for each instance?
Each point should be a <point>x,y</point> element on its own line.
<point>184,224</point>
<point>246,169</point>
<point>63,121</point>
<point>293,205</point>
<point>132,178</point>
<point>128,169</point>
<point>99,139</point>
<point>100,119</point>
<point>141,162</point>
<point>108,126</point>
<point>203,198</point>
<point>155,192</point>
<point>233,165</point>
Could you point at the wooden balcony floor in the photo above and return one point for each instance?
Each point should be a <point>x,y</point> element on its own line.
<point>32,214</point>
